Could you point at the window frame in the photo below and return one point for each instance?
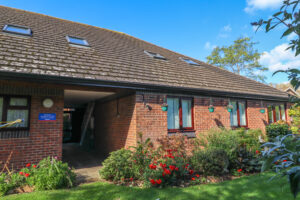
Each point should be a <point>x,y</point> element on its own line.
<point>181,128</point>
<point>78,38</point>
<point>155,55</point>
<point>17,33</point>
<point>238,114</point>
<point>6,107</point>
<point>273,106</point>
<point>189,61</point>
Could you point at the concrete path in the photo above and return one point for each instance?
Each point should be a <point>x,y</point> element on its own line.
<point>86,163</point>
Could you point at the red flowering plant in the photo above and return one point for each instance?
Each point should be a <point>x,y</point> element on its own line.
<point>170,168</point>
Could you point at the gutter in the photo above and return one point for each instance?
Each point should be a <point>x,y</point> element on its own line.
<point>12,76</point>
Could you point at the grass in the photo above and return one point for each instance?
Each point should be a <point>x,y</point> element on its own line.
<point>256,187</point>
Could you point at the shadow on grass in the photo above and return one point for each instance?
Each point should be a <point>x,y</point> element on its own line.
<point>253,188</point>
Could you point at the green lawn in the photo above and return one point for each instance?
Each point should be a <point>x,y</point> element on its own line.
<point>253,187</point>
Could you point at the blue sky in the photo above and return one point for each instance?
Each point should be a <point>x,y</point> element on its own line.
<point>190,27</point>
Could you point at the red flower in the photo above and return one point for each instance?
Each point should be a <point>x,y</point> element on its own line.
<point>151,166</point>
<point>34,166</point>
<point>158,181</point>
<point>162,165</point>
<point>193,179</point>
<point>163,174</point>
<point>152,181</point>
<point>284,161</point>
<point>239,170</point>
<point>21,173</point>
<point>26,175</point>
<point>176,169</point>
<point>191,172</point>
<point>172,167</point>
<point>131,179</point>
<point>28,165</point>
<point>167,171</point>
<point>257,152</point>
<point>197,175</point>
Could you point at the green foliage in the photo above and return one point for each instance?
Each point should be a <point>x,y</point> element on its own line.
<point>4,184</point>
<point>277,129</point>
<point>294,112</point>
<point>169,169</point>
<point>142,154</point>
<point>210,161</point>
<point>119,166</point>
<point>239,58</point>
<point>283,157</point>
<point>241,146</point>
<point>288,17</point>
<point>50,174</point>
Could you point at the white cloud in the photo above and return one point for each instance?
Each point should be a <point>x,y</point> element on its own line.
<point>209,46</point>
<point>253,5</point>
<point>280,58</point>
<point>227,28</point>
<point>291,36</point>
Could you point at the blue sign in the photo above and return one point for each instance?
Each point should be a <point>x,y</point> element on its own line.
<point>47,116</point>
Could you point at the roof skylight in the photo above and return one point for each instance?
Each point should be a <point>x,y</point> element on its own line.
<point>77,41</point>
<point>155,55</point>
<point>21,30</point>
<point>189,61</point>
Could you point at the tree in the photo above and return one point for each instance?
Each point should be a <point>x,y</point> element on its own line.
<point>239,58</point>
<point>289,17</point>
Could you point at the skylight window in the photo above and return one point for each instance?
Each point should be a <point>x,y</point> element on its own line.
<point>189,61</point>
<point>21,30</point>
<point>77,41</point>
<point>155,55</point>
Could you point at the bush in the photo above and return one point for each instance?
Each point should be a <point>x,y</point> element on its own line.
<point>241,147</point>
<point>49,174</point>
<point>119,166</point>
<point>210,161</point>
<point>170,169</point>
<point>4,184</point>
<point>279,128</point>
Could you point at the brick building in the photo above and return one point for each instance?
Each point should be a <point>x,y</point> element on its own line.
<point>71,82</point>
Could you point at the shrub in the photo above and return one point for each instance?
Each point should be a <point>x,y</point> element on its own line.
<point>279,128</point>
<point>170,169</point>
<point>294,112</point>
<point>119,166</point>
<point>210,161</point>
<point>241,147</point>
<point>4,184</point>
<point>49,174</point>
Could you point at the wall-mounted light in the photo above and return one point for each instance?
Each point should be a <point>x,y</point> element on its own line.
<point>211,107</point>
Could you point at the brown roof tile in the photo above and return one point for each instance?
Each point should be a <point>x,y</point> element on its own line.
<point>113,56</point>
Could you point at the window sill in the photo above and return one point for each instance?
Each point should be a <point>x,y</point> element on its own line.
<point>188,133</point>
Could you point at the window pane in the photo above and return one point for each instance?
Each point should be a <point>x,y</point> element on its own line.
<point>13,115</point>
<point>173,113</point>
<point>18,102</point>
<point>186,113</point>
<point>277,113</point>
<point>1,108</point>
<point>270,114</point>
<point>233,115</point>
<point>282,112</point>
<point>242,114</point>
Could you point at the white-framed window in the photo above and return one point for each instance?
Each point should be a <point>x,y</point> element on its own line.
<point>16,29</point>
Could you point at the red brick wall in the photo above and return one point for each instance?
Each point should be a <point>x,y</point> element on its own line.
<point>45,136</point>
<point>153,123</point>
<point>113,132</point>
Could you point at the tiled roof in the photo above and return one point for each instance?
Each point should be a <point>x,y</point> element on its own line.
<point>112,56</point>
